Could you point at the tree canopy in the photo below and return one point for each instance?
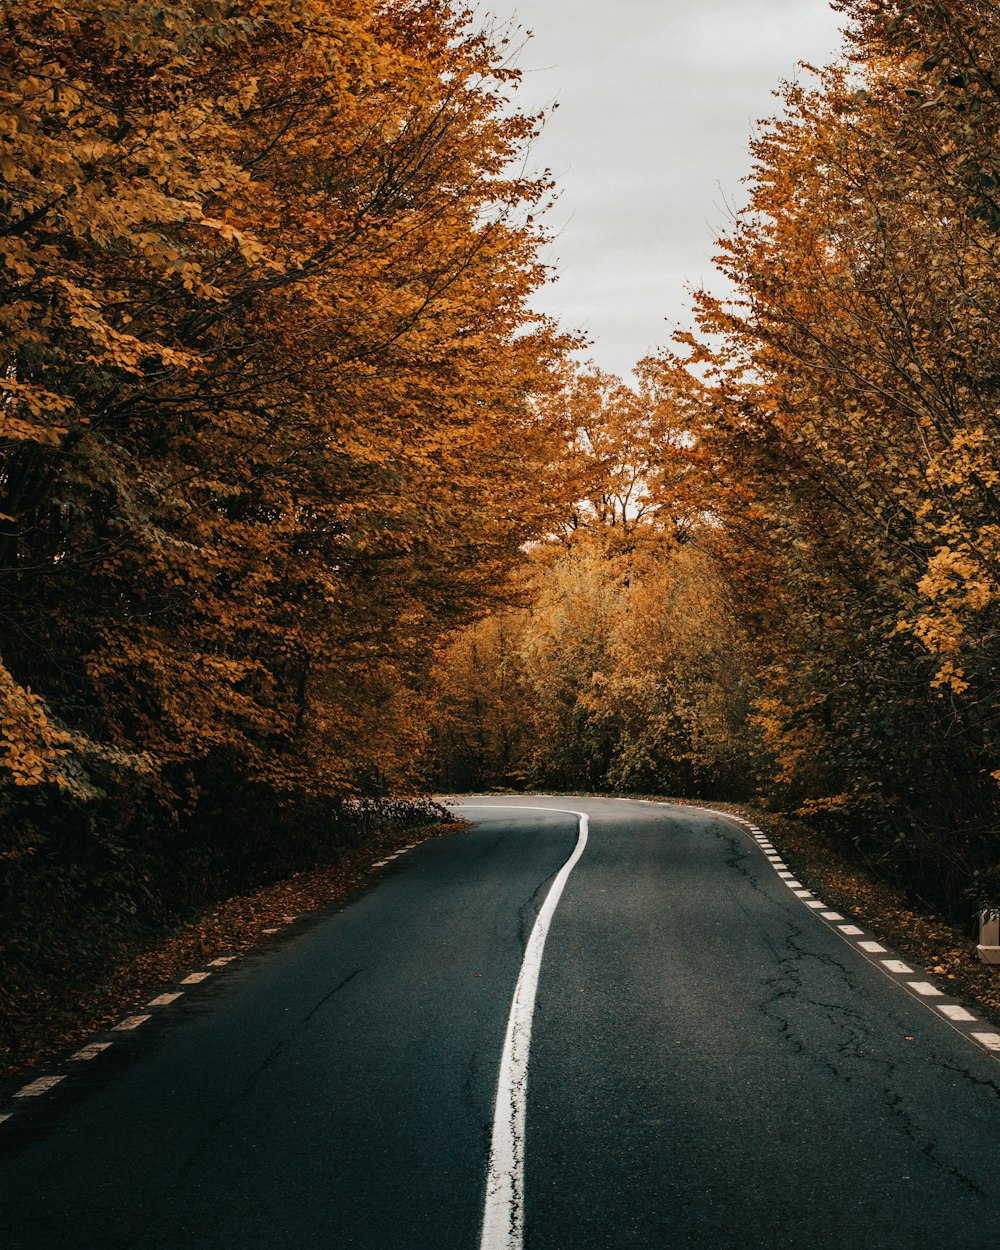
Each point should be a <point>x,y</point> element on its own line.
<point>271,424</point>
<point>816,617</point>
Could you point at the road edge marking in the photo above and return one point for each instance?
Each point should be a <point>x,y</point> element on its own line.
<point>887,967</point>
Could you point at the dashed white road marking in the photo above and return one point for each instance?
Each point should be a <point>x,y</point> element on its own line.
<point>954,1012</point>
<point>41,1086</point>
<point>503,1212</point>
<point>132,1022</point>
<point>44,1083</point>
<point>91,1051</point>
<point>957,1016</point>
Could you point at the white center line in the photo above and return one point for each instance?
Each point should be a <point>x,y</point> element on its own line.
<point>503,1212</point>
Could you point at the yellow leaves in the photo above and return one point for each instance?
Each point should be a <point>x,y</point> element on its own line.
<point>789,734</point>
<point>23,431</point>
<point>252,249</point>
<point>30,413</point>
<point>822,805</point>
<point>949,677</point>
<point>959,575</point>
<point>960,587</point>
<point>32,747</point>
<point>242,99</point>
<point>295,368</point>
<point>623,671</point>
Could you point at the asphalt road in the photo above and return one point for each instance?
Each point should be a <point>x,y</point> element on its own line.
<point>711,1064</point>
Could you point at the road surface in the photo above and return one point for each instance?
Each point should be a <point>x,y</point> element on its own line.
<point>703,1061</point>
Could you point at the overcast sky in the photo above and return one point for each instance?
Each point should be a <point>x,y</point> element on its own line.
<point>657,102</point>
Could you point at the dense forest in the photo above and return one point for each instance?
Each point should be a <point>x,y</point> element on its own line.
<point>302,506</point>
<point>781,575</point>
<point>269,430</point>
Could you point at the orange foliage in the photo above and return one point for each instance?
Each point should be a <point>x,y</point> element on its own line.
<point>268,365</point>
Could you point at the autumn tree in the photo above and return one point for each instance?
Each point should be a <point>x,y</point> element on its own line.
<point>483,715</point>
<point>269,374</point>
<point>627,669</point>
<point>627,457</point>
<point>783,566</point>
<point>853,421</point>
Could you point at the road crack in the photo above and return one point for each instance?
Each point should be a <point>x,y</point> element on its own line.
<point>194,1155</point>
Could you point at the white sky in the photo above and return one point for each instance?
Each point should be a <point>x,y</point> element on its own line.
<point>657,102</point>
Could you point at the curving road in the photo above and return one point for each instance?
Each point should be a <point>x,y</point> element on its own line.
<point>696,1058</point>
